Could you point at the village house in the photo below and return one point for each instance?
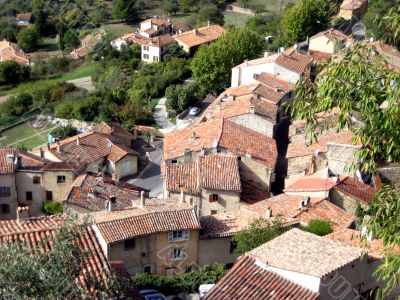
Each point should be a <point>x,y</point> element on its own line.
<point>98,151</point>
<point>23,19</point>
<point>11,51</point>
<point>154,48</point>
<point>329,41</point>
<point>310,266</point>
<point>36,234</point>
<point>29,181</point>
<point>192,40</point>
<point>256,153</point>
<point>353,9</point>
<point>156,236</point>
<point>155,26</point>
<point>288,66</point>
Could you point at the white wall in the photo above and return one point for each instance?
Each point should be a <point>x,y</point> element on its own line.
<point>286,74</point>
<point>245,74</point>
<point>153,53</point>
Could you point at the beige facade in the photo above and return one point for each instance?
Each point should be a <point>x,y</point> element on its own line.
<point>125,167</point>
<point>216,250</point>
<point>256,123</point>
<point>326,45</point>
<point>307,164</point>
<point>217,201</point>
<point>344,201</point>
<point>256,173</point>
<point>8,197</point>
<point>56,184</point>
<point>30,190</point>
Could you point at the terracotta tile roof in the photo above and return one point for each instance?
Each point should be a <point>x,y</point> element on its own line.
<point>24,16</point>
<point>294,60</point>
<point>299,148</point>
<point>182,177</point>
<point>218,172</point>
<point>269,93</point>
<point>352,4</point>
<point>64,166</point>
<point>120,270</point>
<point>354,238</point>
<point>158,41</point>
<point>312,184</point>
<point>200,36</point>
<point>92,146</point>
<point>214,172</point>
<point>357,189</point>
<point>241,141</point>
<point>93,193</point>
<point>306,253</point>
<point>157,21</point>
<point>157,215</point>
<point>318,55</point>
<point>273,82</point>
<point>180,26</point>
<point>37,234</point>
<point>6,166</point>
<point>11,51</point>
<point>252,193</point>
<point>251,280</point>
<point>105,128</point>
<point>332,34</point>
<point>222,134</point>
<point>259,61</point>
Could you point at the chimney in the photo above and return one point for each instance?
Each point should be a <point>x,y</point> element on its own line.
<point>58,147</point>
<point>187,155</point>
<point>306,200</point>
<point>106,205</point>
<point>335,179</point>
<point>182,198</point>
<point>202,152</point>
<point>41,153</point>
<point>277,89</point>
<point>142,200</point>
<point>246,62</point>
<point>18,210</point>
<point>195,31</point>
<point>251,109</point>
<point>268,212</point>
<point>248,154</point>
<point>112,203</point>
<point>193,136</point>
<point>218,106</point>
<point>78,142</point>
<point>48,146</point>
<point>301,204</point>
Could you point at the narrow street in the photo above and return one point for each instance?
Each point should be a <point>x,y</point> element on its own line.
<point>160,115</point>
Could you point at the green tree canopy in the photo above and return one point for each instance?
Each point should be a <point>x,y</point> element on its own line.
<point>170,7</point>
<point>358,84</point>
<point>304,19</point>
<point>211,65</point>
<point>389,26</point>
<point>257,233</point>
<point>319,227</point>
<point>212,14</point>
<point>70,39</point>
<point>125,10</point>
<point>11,73</point>
<point>27,39</point>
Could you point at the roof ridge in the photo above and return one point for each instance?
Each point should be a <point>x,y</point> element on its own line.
<point>17,232</point>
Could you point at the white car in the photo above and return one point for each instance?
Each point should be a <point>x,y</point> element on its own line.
<point>194,111</point>
<point>152,295</point>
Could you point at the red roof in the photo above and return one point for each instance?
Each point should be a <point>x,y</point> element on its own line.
<point>357,189</point>
<point>312,184</point>
<point>7,160</point>
<point>251,280</point>
<point>294,60</point>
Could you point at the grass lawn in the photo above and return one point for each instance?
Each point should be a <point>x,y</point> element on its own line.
<point>48,44</point>
<point>29,137</point>
<point>83,71</point>
<point>118,29</point>
<point>272,6</point>
<point>235,19</point>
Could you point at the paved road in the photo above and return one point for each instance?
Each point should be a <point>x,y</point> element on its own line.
<point>160,115</point>
<point>150,177</point>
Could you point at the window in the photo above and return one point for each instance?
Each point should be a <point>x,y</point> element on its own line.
<point>29,196</point>
<point>178,235</point>
<point>147,269</point>
<point>239,158</point>
<point>49,195</point>
<point>174,161</point>
<point>5,208</point>
<point>178,254</point>
<point>170,272</point>
<point>214,211</point>
<point>5,191</point>
<point>232,247</point>
<point>146,48</point>
<point>129,244</point>
<point>145,56</point>
<point>155,58</point>
<point>213,197</point>
<point>36,179</point>
<point>60,178</point>
<point>189,269</point>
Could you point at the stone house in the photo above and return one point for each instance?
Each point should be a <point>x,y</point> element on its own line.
<point>329,41</point>
<point>255,152</point>
<point>11,51</point>
<point>288,66</point>
<point>190,41</point>
<point>157,236</point>
<point>99,152</point>
<point>353,9</point>
<point>329,269</point>
<point>212,184</point>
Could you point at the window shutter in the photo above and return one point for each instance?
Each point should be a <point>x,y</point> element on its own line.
<point>170,236</point>
<point>183,253</point>
<point>186,235</point>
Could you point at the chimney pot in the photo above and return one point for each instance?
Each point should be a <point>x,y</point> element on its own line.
<point>251,109</point>
<point>301,205</point>
<point>268,213</point>
<point>182,198</point>
<point>78,142</point>
<point>142,200</point>
<point>248,154</point>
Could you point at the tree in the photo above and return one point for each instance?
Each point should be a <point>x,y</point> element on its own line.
<point>170,7</point>
<point>12,73</point>
<point>245,3</point>
<point>70,39</point>
<point>175,51</point>
<point>358,84</point>
<point>27,274</point>
<point>125,10</point>
<point>304,19</point>
<point>389,26</point>
<point>27,39</point>
<point>180,97</point>
<point>257,233</point>
<point>63,132</point>
<point>189,5</point>
<point>212,14</point>
<point>318,227</point>
<point>211,65</point>
<point>382,219</point>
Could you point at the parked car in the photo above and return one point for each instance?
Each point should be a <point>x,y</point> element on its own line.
<point>194,111</point>
<point>152,295</point>
<point>204,289</point>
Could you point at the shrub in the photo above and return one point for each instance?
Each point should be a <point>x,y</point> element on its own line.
<point>318,227</point>
<point>180,97</point>
<point>64,132</point>
<point>53,208</point>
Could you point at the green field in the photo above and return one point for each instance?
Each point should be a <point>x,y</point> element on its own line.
<point>235,19</point>
<point>118,29</point>
<point>271,6</point>
<point>26,136</point>
<point>85,70</point>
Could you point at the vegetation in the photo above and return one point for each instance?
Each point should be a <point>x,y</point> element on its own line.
<point>180,97</point>
<point>304,19</point>
<point>318,227</point>
<point>126,9</point>
<point>64,132</point>
<point>186,283</point>
<point>25,274</point>
<point>358,83</point>
<point>257,233</point>
<point>53,208</point>
<point>28,39</point>
<point>12,73</point>
<point>389,26</point>
<point>212,14</point>
<point>211,65</point>
<point>383,220</point>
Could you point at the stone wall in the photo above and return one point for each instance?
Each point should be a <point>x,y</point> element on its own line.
<point>390,175</point>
